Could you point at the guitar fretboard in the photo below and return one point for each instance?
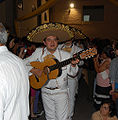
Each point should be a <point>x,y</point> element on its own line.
<point>63,63</point>
<point>84,54</point>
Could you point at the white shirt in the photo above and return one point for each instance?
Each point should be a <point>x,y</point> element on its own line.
<point>74,49</point>
<point>14,89</point>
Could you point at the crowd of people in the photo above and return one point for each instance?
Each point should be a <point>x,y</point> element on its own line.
<point>19,100</point>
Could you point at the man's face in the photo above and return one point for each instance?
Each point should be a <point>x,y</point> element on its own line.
<point>51,43</point>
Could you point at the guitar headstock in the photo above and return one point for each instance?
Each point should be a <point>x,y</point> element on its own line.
<point>88,53</point>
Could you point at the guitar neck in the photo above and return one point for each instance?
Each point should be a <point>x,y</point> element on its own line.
<point>84,54</point>
<point>60,64</point>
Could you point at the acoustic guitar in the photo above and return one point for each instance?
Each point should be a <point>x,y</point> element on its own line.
<point>55,67</point>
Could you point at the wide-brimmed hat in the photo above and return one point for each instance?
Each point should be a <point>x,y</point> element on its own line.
<point>62,31</point>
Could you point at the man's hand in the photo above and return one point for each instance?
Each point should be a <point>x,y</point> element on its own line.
<point>111,92</point>
<point>74,62</point>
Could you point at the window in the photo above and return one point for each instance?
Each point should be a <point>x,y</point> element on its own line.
<point>93,13</point>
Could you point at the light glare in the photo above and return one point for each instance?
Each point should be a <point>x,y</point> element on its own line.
<point>71,5</point>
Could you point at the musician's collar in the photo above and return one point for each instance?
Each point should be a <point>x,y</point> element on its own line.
<point>48,52</point>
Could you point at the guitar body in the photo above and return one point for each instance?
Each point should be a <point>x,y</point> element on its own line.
<point>37,83</point>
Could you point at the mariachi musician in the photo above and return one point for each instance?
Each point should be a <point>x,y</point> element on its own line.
<point>54,92</point>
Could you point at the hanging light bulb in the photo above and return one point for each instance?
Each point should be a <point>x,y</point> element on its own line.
<point>71,5</point>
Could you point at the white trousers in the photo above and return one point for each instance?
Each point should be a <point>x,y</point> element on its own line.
<point>56,106</point>
<point>72,84</point>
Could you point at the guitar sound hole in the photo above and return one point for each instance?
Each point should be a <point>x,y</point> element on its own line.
<point>37,79</point>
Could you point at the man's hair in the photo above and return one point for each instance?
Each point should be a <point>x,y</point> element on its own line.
<point>3,34</point>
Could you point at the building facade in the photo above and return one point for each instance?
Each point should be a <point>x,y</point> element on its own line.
<point>95,18</point>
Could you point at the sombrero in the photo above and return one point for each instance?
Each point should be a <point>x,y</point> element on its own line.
<point>62,31</point>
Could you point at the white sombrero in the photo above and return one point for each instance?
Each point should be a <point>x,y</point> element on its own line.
<point>62,31</point>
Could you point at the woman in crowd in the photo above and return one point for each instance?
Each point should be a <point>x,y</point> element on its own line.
<point>103,86</point>
<point>106,112</point>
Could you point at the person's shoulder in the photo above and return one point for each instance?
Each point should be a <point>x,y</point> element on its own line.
<point>113,118</point>
<point>15,57</point>
<point>38,50</point>
<point>95,115</point>
<point>9,57</point>
<point>115,59</point>
<point>114,62</point>
<point>107,61</point>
